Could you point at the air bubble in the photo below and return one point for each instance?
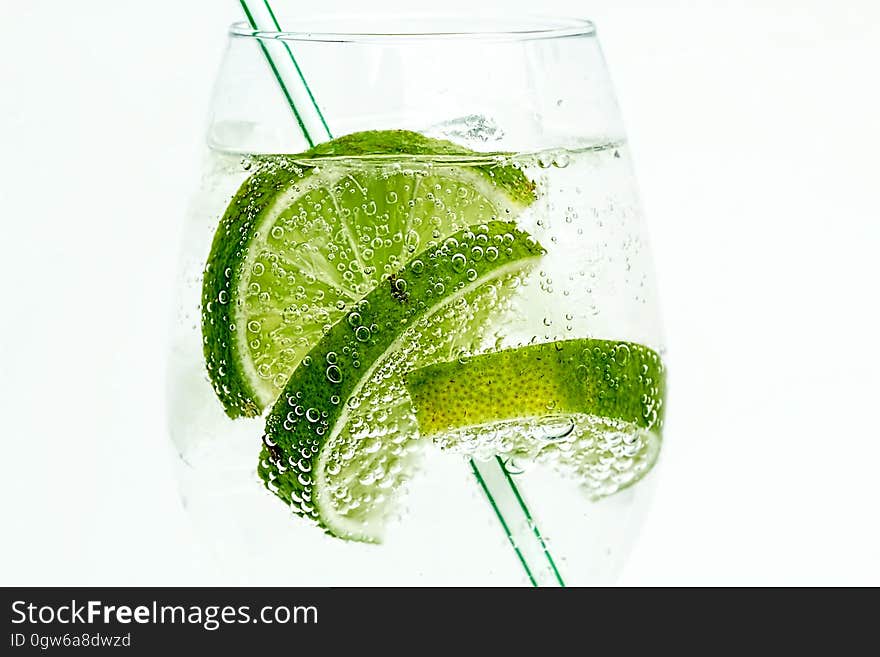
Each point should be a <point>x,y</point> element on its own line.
<point>334,374</point>
<point>459,262</point>
<point>562,160</point>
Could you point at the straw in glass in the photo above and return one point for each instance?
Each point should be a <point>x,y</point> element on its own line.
<point>287,72</point>
<point>493,475</point>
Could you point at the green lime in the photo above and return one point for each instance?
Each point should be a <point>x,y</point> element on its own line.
<point>307,237</point>
<point>340,440</point>
<point>593,408</point>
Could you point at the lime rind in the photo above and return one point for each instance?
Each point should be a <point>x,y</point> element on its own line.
<point>612,379</point>
<point>223,271</point>
<point>593,409</point>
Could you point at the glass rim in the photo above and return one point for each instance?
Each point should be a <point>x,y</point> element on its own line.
<point>487,27</point>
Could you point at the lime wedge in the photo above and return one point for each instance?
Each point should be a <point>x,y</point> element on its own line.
<point>340,440</point>
<point>307,237</point>
<point>591,408</point>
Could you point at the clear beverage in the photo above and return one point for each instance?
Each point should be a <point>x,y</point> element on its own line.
<point>594,282</point>
<point>428,351</point>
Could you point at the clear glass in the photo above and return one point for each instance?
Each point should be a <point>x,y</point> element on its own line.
<point>542,297</point>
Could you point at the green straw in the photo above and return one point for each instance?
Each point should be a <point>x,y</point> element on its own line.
<point>493,475</point>
<point>516,520</point>
<point>287,73</point>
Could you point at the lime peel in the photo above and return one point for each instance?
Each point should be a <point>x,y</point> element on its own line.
<point>591,408</point>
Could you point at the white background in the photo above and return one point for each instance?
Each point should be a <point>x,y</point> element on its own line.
<point>757,142</point>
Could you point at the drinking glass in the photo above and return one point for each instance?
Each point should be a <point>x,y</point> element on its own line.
<point>417,340</point>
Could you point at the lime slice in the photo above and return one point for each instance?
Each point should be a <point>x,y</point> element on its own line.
<point>307,237</point>
<point>591,408</point>
<point>339,441</point>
